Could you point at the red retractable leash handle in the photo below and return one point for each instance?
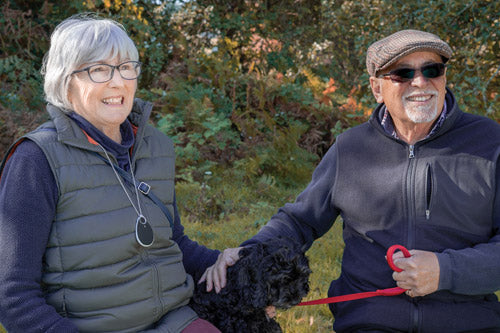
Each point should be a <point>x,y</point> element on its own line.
<point>381,292</point>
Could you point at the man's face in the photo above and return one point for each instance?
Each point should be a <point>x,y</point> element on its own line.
<point>419,100</point>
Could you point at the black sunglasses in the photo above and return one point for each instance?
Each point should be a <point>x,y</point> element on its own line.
<point>430,71</point>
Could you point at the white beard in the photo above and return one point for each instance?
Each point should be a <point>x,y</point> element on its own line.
<point>421,113</point>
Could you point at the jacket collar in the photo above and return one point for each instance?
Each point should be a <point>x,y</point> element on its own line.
<point>70,133</point>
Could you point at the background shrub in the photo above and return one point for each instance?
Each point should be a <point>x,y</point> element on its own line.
<point>252,92</point>
<point>232,81</point>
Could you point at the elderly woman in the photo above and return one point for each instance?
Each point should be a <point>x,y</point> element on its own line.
<point>90,236</point>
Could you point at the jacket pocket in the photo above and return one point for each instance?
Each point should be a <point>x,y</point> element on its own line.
<point>428,191</point>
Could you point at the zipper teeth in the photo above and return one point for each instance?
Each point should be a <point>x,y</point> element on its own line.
<point>428,187</point>
<point>157,312</point>
<point>410,195</point>
<point>415,318</point>
<point>158,290</point>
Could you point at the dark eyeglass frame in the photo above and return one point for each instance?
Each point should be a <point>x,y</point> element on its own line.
<point>136,64</point>
<point>404,74</point>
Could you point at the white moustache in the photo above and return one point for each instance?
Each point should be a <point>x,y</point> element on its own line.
<point>419,93</point>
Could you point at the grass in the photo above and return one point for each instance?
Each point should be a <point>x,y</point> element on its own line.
<point>256,204</point>
<point>324,256</point>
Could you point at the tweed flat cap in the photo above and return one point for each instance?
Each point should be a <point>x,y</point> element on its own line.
<point>388,50</point>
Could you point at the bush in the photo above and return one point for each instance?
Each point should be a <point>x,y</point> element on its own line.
<point>253,93</point>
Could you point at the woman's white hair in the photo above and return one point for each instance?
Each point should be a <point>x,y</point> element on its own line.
<point>79,40</point>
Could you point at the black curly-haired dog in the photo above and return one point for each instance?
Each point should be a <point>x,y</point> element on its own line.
<point>272,273</point>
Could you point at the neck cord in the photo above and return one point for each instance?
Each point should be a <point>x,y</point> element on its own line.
<point>138,211</point>
<point>143,231</point>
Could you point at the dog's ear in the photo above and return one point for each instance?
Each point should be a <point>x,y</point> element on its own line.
<point>251,282</point>
<point>259,296</point>
<point>305,247</point>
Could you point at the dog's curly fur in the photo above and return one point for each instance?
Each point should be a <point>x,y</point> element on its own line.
<point>275,272</point>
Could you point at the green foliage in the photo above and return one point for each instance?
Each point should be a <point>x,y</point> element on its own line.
<point>264,73</point>
<point>24,33</point>
<point>253,60</point>
<point>281,158</point>
<point>253,93</point>
<point>199,123</point>
<point>256,87</point>
<point>470,27</point>
<point>18,72</point>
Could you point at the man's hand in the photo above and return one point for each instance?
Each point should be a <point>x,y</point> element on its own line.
<point>215,275</point>
<point>420,273</point>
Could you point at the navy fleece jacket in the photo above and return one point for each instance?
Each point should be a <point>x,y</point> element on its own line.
<point>381,186</point>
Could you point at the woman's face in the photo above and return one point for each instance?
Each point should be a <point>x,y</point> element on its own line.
<point>105,105</point>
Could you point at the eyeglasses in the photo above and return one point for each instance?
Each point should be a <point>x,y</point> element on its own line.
<point>401,75</point>
<point>100,73</point>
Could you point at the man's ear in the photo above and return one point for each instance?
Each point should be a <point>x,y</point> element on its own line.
<point>376,85</point>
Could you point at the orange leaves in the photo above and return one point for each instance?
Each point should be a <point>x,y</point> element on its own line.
<point>260,44</point>
<point>279,77</point>
<point>124,7</point>
<point>330,89</point>
<point>258,48</point>
<point>352,106</point>
<point>348,105</point>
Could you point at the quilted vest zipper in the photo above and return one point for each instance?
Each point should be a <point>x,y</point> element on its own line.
<point>158,290</point>
<point>156,285</point>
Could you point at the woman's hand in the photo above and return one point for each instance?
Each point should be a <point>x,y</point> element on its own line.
<point>271,311</point>
<point>215,275</point>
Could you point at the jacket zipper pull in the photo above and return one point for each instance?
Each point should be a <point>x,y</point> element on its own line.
<point>412,151</point>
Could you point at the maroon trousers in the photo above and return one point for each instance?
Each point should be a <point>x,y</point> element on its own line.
<point>199,326</point>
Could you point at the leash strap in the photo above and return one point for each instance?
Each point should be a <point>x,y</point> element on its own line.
<point>381,292</point>
<point>351,297</point>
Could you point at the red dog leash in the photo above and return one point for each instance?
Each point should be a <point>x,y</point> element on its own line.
<point>381,292</point>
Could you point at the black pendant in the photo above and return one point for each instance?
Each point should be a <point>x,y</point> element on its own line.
<point>143,232</point>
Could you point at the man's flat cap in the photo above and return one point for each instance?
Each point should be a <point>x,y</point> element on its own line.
<point>388,50</point>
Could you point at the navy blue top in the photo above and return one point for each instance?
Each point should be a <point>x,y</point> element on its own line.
<point>28,200</point>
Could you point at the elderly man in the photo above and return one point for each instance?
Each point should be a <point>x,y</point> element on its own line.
<point>420,173</point>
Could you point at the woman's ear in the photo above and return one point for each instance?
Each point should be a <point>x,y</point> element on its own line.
<point>69,95</point>
<point>376,85</point>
